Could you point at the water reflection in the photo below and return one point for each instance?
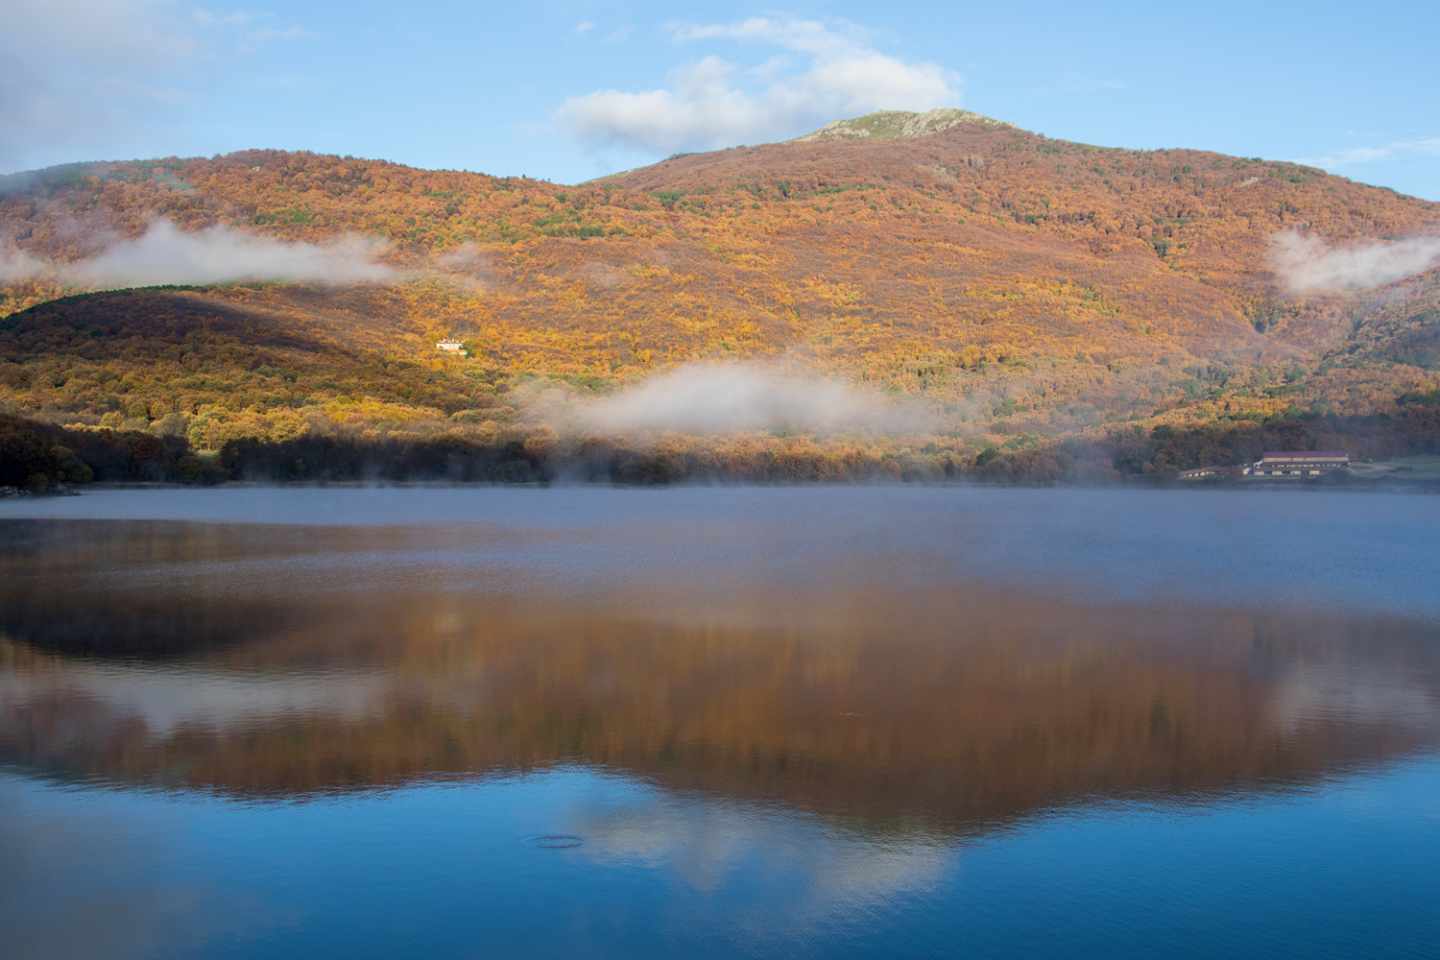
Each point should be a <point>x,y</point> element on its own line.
<point>705,844</point>
<point>619,725</point>
<point>282,662</point>
<point>68,885</point>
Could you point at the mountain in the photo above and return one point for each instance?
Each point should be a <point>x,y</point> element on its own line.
<point>899,125</point>
<point>1019,287</point>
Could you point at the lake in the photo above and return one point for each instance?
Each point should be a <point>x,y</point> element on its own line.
<point>710,721</point>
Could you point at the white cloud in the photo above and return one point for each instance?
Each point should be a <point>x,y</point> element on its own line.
<point>73,66</point>
<point>225,17</point>
<point>1425,146</point>
<point>166,254</point>
<point>81,75</point>
<point>728,398</point>
<point>17,266</point>
<point>801,36</point>
<point>585,26</point>
<point>1307,264</point>
<point>714,102</point>
<point>250,41</point>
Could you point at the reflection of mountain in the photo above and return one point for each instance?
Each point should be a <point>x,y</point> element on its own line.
<point>906,707</point>
<point>110,589</point>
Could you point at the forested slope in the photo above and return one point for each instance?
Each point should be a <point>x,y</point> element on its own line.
<point>1020,287</point>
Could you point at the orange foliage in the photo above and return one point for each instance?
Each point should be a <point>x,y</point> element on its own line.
<point>1018,284</point>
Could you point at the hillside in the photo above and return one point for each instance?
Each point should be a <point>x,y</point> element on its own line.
<point>1018,286</point>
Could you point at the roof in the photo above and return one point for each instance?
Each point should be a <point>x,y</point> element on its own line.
<point>1306,454</point>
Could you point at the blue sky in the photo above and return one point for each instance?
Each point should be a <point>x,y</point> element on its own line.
<point>569,91</point>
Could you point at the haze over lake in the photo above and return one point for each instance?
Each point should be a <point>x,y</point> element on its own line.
<point>707,721</point>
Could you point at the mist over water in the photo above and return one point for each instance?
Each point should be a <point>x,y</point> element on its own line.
<point>844,721</point>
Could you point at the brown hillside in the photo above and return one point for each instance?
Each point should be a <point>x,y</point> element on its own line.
<point>958,708</point>
<point>1019,284</point>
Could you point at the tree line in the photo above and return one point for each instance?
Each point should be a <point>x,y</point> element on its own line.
<point>41,457</point>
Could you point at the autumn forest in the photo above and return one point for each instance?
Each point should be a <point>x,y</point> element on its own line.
<point>1038,309</point>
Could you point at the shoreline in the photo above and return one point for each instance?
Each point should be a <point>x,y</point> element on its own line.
<point>1347,485</point>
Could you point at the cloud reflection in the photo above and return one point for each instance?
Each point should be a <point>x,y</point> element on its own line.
<point>714,846</point>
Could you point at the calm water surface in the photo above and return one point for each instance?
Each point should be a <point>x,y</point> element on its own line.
<point>713,722</point>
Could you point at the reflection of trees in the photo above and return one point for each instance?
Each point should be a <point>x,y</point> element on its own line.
<point>947,708</point>
<point>169,590</point>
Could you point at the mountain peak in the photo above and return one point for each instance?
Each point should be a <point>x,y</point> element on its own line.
<point>899,125</point>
